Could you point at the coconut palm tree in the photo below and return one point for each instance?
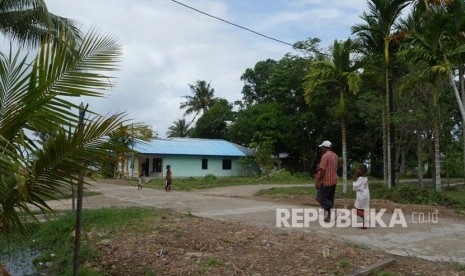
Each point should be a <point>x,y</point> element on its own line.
<point>36,97</point>
<point>378,29</point>
<point>202,100</point>
<point>340,72</point>
<point>180,128</point>
<point>29,22</point>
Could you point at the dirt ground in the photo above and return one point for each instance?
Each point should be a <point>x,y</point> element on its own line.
<point>181,244</point>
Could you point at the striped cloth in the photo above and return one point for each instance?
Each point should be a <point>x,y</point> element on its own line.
<point>329,162</point>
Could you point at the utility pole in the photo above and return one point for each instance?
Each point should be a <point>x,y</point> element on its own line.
<point>80,195</point>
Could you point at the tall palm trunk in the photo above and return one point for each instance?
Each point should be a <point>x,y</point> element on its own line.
<point>420,160</point>
<point>388,121</point>
<point>462,93</point>
<point>344,156</point>
<point>344,140</point>
<point>385,163</point>
<point>437,153</point>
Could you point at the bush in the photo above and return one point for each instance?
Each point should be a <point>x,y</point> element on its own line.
<point>107,169</point>
<point>210,178</point>
<point>411,195</point>
<point>275,175</point>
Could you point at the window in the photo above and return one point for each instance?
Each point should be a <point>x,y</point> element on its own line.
<point>227,164</point>
<point>156,165</point>
<point>205,164</point>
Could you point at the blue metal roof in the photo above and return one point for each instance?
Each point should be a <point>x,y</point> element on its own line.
<point>193,146</point>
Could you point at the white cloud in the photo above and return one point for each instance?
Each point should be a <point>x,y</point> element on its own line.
<point>168,46</point>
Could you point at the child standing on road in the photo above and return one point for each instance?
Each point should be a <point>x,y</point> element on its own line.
<point>139,182</point>
<point>362,201</point>
<point>169,178</point>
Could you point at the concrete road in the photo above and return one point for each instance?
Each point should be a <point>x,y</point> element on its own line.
<point>421,235</point>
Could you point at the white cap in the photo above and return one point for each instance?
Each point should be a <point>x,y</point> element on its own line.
<point>326,144</point>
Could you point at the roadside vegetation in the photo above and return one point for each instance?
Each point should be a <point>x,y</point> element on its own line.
<point>53,240</point>
<point>408,193</point>
<point>211,181</point>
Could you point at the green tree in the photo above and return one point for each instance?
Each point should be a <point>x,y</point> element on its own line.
<point>202,100</point>
<point>30,23</point>
<point>379,30</point>
<point>427,55</point>
<point>214,123</point>
<point>264,123</point>
<point>341,74</point>
<point>255,89</point>
<point>125,139</point>
<point>36,97</point>
<point>450,42</point>
<point>180,128</point>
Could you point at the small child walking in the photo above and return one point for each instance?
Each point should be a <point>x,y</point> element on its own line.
<point>139,182</point>
<point>362,200</point>
<point>169,178</point>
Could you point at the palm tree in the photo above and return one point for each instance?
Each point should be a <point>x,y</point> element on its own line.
<point>451,43</point>
<point>427,73</point>
<point>29,22</point>
<point>377,31</point>
<point>180,128</point>
<point>35,97</point>
<point>339,73</point>
<point>202,100</point>
<point>432,28</point>
<point>125,138</point>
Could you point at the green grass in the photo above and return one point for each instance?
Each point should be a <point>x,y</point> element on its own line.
<point>457,193</point>
<point>67,195</point>
<point>344,263</point>
<point>300,190</point>
<point>458,267</point>
<point>53,239</point>
<point>211,181</point>
<point>453,196</point>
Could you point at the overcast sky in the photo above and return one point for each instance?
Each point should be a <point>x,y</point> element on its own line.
<point>167,46</point>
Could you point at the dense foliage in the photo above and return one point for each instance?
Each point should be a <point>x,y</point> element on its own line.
<point>407,104</point>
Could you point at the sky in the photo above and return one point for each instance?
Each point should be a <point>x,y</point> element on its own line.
<point>167,46</point>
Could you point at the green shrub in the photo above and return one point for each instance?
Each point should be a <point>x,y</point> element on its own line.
<point>210,178</point>
<point>411,195</point>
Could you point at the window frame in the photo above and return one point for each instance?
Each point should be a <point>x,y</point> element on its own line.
<point>227,164</point>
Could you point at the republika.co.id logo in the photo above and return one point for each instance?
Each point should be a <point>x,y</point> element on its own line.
<point>300,218</point>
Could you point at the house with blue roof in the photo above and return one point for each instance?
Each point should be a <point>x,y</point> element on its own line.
<point>188,157</point>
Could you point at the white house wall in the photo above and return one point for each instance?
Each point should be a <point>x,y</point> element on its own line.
<point>186,166</point>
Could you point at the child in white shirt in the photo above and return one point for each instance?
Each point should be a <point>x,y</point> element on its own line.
<point>360,185</point>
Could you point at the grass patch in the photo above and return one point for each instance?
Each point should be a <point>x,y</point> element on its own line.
<point>457,194</point>
<point>357,245</point>
<point>54,239</point>
<point>213,262</point>
<point>302,190</point>
<point>458,267</point>
<point>67,195</point>
<point>452,196</point>
<point>298,190</point>
<point>211,181</point>
<point>343,263</point>
<point>414,195</point>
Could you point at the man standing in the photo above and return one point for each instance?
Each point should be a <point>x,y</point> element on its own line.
<point>327,179</point>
